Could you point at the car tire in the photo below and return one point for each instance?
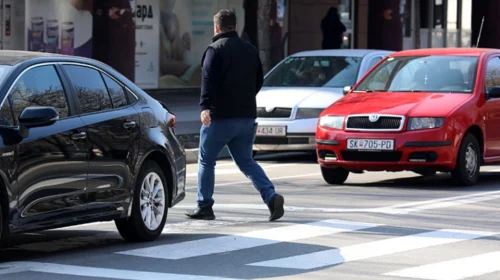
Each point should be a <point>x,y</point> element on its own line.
<point>334,176</point>
<point>136,228</point>
<point>466,171</point>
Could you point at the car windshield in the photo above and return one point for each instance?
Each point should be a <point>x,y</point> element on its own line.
<point>422,73</point>
<point>315,71</point>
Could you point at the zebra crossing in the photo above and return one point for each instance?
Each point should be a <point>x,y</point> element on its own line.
<point>331,244</point>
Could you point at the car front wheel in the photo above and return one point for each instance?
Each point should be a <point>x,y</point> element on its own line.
<point>334,176</point>
<point>466,171</point>
<point>149,208</point>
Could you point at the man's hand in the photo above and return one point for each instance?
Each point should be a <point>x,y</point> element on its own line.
<point>205,117</point>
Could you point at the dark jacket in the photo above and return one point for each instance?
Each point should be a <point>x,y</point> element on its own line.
<point>231,78</point>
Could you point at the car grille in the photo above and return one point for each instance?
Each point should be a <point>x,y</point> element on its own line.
<point>266,140</point>
<point>383,123</point>
<point>393,156</point>
<point>276,113</point>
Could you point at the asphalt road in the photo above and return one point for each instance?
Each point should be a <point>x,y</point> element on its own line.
<point>388,226</point>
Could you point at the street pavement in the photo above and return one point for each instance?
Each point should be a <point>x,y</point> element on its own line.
<point>384,226</point>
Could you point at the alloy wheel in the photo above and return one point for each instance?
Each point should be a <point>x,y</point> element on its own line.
<point>152,201</point>
<point>471,160</point>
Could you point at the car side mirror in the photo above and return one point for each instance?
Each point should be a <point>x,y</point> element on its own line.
<point>38,116</point>
<point>494,92</point>
<point>347,89</point>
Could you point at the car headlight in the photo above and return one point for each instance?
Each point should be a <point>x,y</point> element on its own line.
<point>424,123</point>
<point>331,121</point>
<point>308,113</point>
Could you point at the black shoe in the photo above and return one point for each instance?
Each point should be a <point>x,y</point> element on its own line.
<point>276,207</point>
<point>201,213</point>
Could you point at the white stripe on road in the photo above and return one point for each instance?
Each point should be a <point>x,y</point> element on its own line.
<point>229,243</point>
<point>373,249</point>
<point>440,202</point>
<point>97,272</point>
<point>272,179</point>
<point>237,170</point>
<point>105,236</point>
<point>455,269</point>
<point>204,225</point>
<point>398,209</point>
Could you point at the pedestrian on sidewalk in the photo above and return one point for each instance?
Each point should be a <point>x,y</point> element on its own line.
<point>232,76</point>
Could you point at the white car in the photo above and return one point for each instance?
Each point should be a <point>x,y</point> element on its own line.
<point>299,88</point>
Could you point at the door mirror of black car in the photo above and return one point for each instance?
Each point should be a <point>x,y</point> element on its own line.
<point>38,116</point>
<point>494,92</point>
<point>347,89</point>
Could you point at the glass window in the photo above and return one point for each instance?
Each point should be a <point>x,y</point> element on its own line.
<point>492,74</point>
<point>315,71</point>
<point>131,97</point>
<point>118,97</point>
<point>39,86</point>
<point>90,88</point>
<point>7,116</point>
<point>373,61</point>
<point>422,73</point>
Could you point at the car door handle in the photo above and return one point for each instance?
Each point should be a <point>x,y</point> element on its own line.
<point>79,136</point>
<point>130,124</point>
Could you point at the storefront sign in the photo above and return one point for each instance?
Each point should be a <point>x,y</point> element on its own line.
<point>59,26</point>
<point>147,46</point>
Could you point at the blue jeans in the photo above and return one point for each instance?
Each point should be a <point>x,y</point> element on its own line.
<point>239,136</point>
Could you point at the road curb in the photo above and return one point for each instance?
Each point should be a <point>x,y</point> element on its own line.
<point>192,155</point>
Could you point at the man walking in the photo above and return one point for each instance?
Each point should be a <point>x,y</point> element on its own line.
<point>231,78</point>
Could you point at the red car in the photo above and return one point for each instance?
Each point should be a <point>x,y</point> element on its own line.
<point>424,110</point>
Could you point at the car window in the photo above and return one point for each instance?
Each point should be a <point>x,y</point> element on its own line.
<point>445,73</point>
<point>373,61</point>
<point>492,73</point>
<point>40,86</point>
<point>118,97</point>
<point>314,71</point>
<point>90,88</point>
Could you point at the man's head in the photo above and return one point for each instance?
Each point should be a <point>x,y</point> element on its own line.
<point>224,21</point>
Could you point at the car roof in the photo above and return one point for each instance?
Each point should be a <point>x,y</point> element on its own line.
<point>9,57</point>
<point>340,52</point>
<point>445,51</point>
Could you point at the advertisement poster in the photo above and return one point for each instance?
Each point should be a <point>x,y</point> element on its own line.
<point>186,29</point>
<point>12,14</point>
<point>59,26</point>
<point>147,47</point>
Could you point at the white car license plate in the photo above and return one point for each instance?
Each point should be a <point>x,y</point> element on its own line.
<point>370,144</point>
<point>271,131</point>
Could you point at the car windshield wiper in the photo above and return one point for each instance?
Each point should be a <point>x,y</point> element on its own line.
<point>369,90</point>
<point>411,90</point>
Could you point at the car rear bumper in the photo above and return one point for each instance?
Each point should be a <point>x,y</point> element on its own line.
<point>430,149</point>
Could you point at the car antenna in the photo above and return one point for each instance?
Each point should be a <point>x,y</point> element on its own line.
<point>479,35</point>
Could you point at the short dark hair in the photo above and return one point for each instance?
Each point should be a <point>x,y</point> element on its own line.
<point>225,19</point>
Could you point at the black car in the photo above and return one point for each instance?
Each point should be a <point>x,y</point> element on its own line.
<point>81,143</point>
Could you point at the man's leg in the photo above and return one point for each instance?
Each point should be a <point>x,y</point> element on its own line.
<point>212,140</point>
<point>240,148</point>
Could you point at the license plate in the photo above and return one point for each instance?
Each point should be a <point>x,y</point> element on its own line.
<point>271,131</point>
<point>370,144</point>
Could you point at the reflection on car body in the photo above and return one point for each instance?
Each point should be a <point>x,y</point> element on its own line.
<point>81,143</point>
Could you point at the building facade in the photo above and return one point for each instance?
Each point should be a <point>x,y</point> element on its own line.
<point>159,43</point>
